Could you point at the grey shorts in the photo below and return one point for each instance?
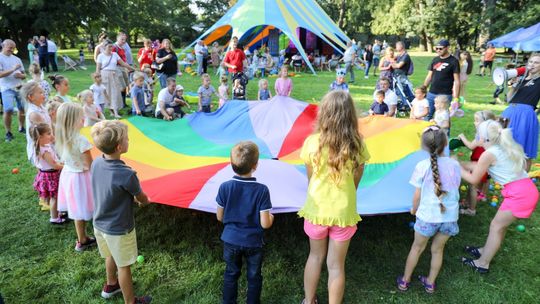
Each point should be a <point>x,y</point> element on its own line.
<point>430,229</point>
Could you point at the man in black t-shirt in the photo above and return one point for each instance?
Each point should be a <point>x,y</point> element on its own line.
<point>401,70</point>
<point>443,76</point>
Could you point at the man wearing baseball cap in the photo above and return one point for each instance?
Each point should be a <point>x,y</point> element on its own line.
<point>443,76</point>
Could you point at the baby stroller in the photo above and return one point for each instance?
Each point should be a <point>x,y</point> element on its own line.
<point>404,104</point>
<point>244,79</point>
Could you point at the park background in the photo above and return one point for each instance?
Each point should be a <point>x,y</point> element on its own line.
<point>182,248</point>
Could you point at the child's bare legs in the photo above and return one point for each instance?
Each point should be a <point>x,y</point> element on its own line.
<point>126,284</point>
<point>417,248</point>
<point>111,269</point>
<point>80,228</point>
<point>472,194</point>
<point>337,252</point>
<point>437,252</point>
<point>54,207</point>
<point>312,271</point>
<point>497,231</point>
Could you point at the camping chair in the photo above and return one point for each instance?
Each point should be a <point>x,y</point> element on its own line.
<point>70,64</point>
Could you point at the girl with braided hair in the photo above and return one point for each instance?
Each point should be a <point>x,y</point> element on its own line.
<point>505,161</point>
<point>435,204</point>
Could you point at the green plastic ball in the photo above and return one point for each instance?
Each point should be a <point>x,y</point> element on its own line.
<point>140,259</point>
<point>463,188</point>
<point>520,228</point>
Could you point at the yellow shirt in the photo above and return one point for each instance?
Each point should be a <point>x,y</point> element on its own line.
<point>328,203</point>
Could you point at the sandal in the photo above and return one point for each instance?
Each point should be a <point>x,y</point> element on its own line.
<point>429,288</point>
<point>57,221</point>
<point>402,285</point>
<point>472,264</point>
<point>473,251</point>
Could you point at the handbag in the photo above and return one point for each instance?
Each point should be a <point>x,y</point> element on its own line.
<point>156,66</point>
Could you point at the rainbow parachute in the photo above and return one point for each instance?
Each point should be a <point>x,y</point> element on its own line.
<point>182,163</point>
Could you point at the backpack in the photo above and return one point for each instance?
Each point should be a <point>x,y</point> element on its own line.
<point>410,71</point>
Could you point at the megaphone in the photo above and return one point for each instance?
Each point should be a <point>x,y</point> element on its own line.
<point>501,76</point>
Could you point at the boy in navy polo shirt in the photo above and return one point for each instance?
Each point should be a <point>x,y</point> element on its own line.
<point>244,208</point>
<point>137,94</point>
<point>379,107</point>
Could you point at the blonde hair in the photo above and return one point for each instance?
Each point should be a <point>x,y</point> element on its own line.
<point>169,41</point>
<point>29,89</point>
<point>224,79</point>
<point>484,115</point>
<point>34,69</point>
<point>108,134</point>
<point>434,141</point>
<point>492,132</point>
<point>442,98</point>
<point>244,157</point>
<point>52,105</point>
<point>204,76</point>
<point>138,75</point>
<point>84,95</point>
<point>96,75</point>
<point>261,82</point>
<point>68,117</point>
<point>57,99</point>
<point>148,71</point>
<point>36,131</point>
<point>338,127</point>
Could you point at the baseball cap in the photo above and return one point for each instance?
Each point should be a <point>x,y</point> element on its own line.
<point>179,87</point>
<point>443,43</point>
<point>340,73</point>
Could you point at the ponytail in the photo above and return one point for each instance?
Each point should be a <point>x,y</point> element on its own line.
<point>36,131</point>
<point>434,141</point>
<point>514,150</point>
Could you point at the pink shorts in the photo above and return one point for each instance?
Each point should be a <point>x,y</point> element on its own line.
<point>336,233</point>
<point>520,197</point>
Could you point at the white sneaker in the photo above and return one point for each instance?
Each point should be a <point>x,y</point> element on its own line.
<point>366,77</point>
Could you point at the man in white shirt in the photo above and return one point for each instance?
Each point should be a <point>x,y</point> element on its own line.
<point>11,76</point>
<point>348,58</point>
<point>169,106</point>
<point>199,55</point>
<point>390,98</point>
<point>52,49</point>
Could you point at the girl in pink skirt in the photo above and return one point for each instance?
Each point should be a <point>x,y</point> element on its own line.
<point>505,161</point>
<point>75,191</point>
<point>46,161</point>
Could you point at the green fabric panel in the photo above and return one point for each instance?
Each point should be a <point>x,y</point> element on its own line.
<point>374,172</point>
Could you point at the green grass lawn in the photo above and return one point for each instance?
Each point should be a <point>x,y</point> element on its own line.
<point>183,252</point>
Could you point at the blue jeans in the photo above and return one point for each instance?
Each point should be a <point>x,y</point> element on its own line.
<point>368,65</point>
<point>163,79</point>
<point>199,64</point>
<point>233,256</point>
<point>349,67</point>
<point>431,99</point>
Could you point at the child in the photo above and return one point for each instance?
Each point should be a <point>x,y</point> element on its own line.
<point>81,56</point>
<point>239,93</point>
<point>148,86</point>
<point>474,193</point>
<point>420,105</point>
<point>46,161</point>
<point>339,83</point>
<point>92,113</point>
<point>37,75</point>
<point>379,107</point>
<point>244,208</point>
<point>505,161</point>
<point>205,94</point>
<point>52,107</point>
<point>261,64</point>
<point>223,91</point>
<point>116,188</point>
<point>283,85</point>
<point>61,85</point>
<point>75,190</point>
<point>334,159</point>
<point>33,96</point>
<point>435,204</point>
<point>179,102</point>
<point>441,117</point>
<point>264,92</point>
<point>297,62</point>
<point>101,97</point>
<point>137,94</point>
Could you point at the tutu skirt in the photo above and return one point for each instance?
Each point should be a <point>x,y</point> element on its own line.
<point>46,183</point>
<point>75,195</point>
<point>524,126</point>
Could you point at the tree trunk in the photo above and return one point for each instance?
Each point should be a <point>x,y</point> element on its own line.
<point>423,41</point>
<point>341,19</point>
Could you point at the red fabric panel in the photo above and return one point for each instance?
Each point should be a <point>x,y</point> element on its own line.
<point>302,128</point>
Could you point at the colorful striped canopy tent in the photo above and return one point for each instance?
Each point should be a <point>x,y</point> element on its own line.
<point>182,163</point>
<point>251,21</point>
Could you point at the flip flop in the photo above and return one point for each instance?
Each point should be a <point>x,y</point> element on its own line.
<point>402,285</point>
<point>429,288</point>
<point>473,251</point>
<point>472,264</point>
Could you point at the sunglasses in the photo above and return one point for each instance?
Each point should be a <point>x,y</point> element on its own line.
<point>439,48</point>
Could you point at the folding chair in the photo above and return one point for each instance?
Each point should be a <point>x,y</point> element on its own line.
<point>70,64</point>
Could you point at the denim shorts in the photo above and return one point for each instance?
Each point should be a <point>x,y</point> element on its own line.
<point>10,98</point>
<point>430,229</point>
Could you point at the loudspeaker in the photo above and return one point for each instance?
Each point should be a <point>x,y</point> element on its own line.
<point>501,76</point>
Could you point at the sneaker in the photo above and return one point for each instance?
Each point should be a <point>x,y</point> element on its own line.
<point>57,221</point>
<point>468,212</point>
<point>42,202</point>
<point>110,290</point>
<point>9,136</point>
<point>143,300</point>
<point>80,247</point>
<point>22,130</point>
<point>45,207</point>
<point>366,77</point>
